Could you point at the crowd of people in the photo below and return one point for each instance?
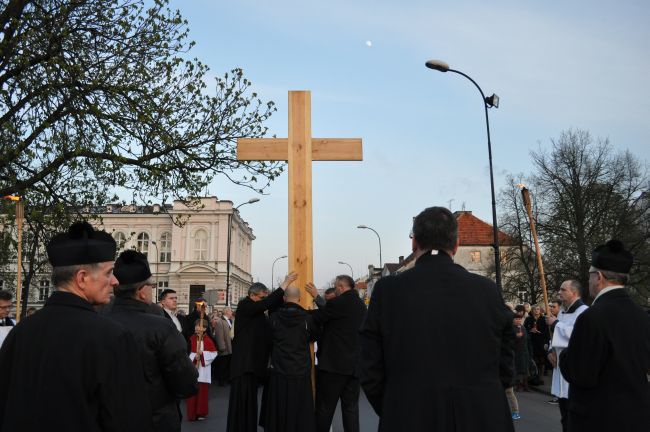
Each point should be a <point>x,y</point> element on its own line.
<point>105,357</point>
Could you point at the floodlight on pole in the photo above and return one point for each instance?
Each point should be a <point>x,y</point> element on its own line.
<point>488,102</point>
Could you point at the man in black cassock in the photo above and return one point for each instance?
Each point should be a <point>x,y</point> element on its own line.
<point>425,369</point>
<point>68,368</point>
<point>169,373</point>
<point>338,354</point>
<point>289,404</point>
<point>608,355</point>
<point>250,353</point>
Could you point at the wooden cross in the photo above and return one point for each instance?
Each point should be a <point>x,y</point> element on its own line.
<point>299,150</point>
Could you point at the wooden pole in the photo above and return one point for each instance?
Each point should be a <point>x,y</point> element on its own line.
<point>20,215</point>
<point>529,209</point>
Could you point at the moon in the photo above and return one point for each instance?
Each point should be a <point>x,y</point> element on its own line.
<point>368,43</point>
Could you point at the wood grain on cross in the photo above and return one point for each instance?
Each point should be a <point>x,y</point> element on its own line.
<point>299,150</point>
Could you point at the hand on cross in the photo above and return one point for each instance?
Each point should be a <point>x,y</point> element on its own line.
<point>311,289</point>
<point>291,277</point>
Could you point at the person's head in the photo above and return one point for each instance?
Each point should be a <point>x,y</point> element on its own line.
<point>527,307</point>
<point>30,311</point>
<point>536,311</point>
<point>570,290</point>
<point>227,313</point>
<point>610,265</point>
<point>169,299</point>
<point>518,319</point>
<point>329,294</point>
<point>292,295</point>
<point>82,262</point>
<point>520,309</point>
<point>258,291</point>
<point>554,307</point>
<point>199,326</point>
<point>5,303</point>
<point>132,272</point>
<point>435,228</point>
<point>343,283</point>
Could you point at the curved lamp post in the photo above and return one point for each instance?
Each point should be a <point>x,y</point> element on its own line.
<point>488,102</point>
<point>273,268</point>
<point>250,201</point>
<point>351,271</point>
<point>381,265</point>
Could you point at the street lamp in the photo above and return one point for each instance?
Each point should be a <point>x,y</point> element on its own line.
<point>488,102</point>
<point>273,268</point>
<point>351,272</point>
<point>367,227</point>
<point>250,201</point>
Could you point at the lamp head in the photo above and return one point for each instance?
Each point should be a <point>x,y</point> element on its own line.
<point>492,101</point>
<point>283,256</point>
<point>253,200</point>
<point>438,65</point>
<point>362,226</point>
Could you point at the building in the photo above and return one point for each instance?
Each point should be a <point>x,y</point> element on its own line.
<point>475,252</point>
<point>187,248</point>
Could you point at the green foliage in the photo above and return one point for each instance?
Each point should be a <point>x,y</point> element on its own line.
<point>103,92</point>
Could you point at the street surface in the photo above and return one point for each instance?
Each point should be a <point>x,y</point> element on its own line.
<point>536,414</point>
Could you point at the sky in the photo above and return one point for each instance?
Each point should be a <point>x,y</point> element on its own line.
<point>554,65</point>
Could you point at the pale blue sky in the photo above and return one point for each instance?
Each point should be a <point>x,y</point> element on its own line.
<point>555,65</point>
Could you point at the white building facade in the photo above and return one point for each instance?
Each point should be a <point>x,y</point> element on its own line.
<point>187,248</point>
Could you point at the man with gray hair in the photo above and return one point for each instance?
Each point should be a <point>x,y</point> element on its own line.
<point>289,405</point>
<point>570,292</point>
<point>222,329</point>
<point>169,373</point>
<point>68,368</point>
<point>608,355</point>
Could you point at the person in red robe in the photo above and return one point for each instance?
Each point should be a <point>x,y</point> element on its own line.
<point>203,352</point>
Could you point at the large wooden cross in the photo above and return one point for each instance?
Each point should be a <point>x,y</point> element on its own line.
<point>299,150</point>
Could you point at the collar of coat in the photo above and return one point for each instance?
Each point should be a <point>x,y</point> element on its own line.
<point>63,298</point>
<point>433,257</point>
<point>126,303</point>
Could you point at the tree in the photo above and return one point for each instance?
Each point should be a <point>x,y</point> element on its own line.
<point>588,194</point>
<point>101,89</point>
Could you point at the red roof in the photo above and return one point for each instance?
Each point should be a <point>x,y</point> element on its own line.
<point>472,231</point>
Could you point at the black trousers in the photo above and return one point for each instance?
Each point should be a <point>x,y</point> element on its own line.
<point>221,369</point>
<point>564,413</point>
<point>330,387</point>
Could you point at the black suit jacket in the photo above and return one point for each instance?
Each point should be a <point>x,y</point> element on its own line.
<point>434,347</point>
<point>252,343</point>
<point>338,345</point>
<point>606,364</point>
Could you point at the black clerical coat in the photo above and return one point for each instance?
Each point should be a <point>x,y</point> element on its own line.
<point>169,373</point>
<point>289,405</point>
<point>252,343</point>
<point>433,345</point>
<point>67,368</point>
<point>606,364</point>
<point>338,345</point>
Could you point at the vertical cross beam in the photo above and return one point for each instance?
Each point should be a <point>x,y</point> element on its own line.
<point>299,167</point>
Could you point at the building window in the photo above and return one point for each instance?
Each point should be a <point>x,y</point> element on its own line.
<point>166,247</point>
<point>476,256</point>
<point>120,239</point>
<point>44,290</point>
<point>200,245</point>
<point>143,243</point>
<point>162,285</point>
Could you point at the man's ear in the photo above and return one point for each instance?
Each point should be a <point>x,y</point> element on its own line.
<point>456,247</point>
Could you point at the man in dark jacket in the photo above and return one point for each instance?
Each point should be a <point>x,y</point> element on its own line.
<point>169,373</point>
<point>67,368</point>
<point>290,405</point>
<point>608,355</point>
<point>426,370</point>
<point>338,355</point>
<point>250,353</point>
